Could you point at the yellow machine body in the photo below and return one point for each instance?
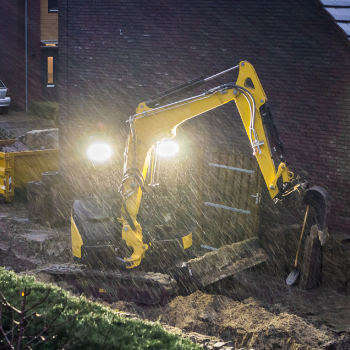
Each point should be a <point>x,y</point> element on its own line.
<point>19,168</point>
<point>77,241</point>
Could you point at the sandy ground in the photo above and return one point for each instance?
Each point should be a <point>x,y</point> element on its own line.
<point>251,311</point>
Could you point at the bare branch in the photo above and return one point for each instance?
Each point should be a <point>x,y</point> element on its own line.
<point>49,326</point>
<point>21,322</point>
<point>27,293</point>
<point>9,305</point>
<point>5,336</point>
<point>13,325</point>
<point>69,343</point>
<point>2,330</point>
<point>25,321</point>
<point>30,315</point>
<point>70,318</point>
<point>68,336</point>
<point>27,325</point>
<point>5,347</point>
<point>40,301</point>
<point>11,331</point>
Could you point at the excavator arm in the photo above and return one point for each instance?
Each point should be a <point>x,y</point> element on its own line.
<point>152,125</point>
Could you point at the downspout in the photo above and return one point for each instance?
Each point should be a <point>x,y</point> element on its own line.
<point>26,51</point>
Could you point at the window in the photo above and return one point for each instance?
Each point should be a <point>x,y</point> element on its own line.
<point>53,5</point>
<point>50,70</point>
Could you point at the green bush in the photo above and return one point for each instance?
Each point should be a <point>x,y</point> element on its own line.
<point>48,110</point>
<point>75,322</point>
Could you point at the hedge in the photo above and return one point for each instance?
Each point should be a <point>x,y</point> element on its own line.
<point>48,110</point>
<point>76,322</point>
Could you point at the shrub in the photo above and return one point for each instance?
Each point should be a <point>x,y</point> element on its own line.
<point>6,135</point>
<point>65,321</point>
<point>48,110</point>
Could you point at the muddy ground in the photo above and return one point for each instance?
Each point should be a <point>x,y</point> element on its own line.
<point>251,310</point>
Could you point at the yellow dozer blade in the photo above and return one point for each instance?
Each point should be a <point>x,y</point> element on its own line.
<point>226,261</point>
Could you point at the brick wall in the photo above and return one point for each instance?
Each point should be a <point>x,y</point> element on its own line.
<point>12,49</point>
<point>115,54</point>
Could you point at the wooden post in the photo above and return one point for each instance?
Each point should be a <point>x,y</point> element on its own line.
<point>35,196</point>
<point>49,179</point>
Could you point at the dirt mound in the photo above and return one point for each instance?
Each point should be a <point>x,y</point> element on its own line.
<point>30,240</point>
<point>10,261</point>
<point>247,323</point>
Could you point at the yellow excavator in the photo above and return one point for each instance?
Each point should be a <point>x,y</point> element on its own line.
<point>107,232</point>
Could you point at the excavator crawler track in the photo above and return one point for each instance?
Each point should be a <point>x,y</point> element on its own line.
<point>139,287</point>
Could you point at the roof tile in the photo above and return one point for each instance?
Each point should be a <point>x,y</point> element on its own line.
<point>345,27</point>
<point>339,14</point>
<point>340,11</point>
<point>341,3</point>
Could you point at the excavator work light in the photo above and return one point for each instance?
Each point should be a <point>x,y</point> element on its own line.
<point>167,148</point>
<point>99,152</point>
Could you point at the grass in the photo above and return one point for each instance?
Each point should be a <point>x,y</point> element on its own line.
<point>87,325</point>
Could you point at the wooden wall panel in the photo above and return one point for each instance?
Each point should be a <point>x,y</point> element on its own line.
<point>48,23</point>
<point>230,188</point>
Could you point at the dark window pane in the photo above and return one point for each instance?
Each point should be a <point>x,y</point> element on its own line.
<point>53,5</point>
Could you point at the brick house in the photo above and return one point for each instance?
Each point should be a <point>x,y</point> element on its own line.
<point>115,54</point>
<point>39,37</point>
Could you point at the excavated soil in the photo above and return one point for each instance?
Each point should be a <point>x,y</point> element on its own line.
<point>21,239</point>
<point>247,323</point>
<point>259,315</point>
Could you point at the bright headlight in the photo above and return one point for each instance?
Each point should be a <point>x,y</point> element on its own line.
<point>167,148</point>
<point>99,152</point>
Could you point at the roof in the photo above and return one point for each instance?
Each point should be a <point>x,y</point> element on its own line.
<point>340,12</point>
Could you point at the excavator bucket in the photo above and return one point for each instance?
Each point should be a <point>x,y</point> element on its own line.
<point>318,198</point>
<point>226,261</point>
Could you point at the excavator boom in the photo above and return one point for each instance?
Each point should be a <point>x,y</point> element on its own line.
<point>152,125</point>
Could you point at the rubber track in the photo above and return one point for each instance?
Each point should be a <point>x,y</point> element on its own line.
<point>142,288</point>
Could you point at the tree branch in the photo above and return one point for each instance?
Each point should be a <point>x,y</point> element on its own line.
<point>49,326</point>
<point>21,321</point>
<point>39,302</point>
<point>2,330</point>
<point>67,345</point>
<point>13,325</point>
<point>7,304</point>
<point>68,336</point>
<point>70,318</point>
